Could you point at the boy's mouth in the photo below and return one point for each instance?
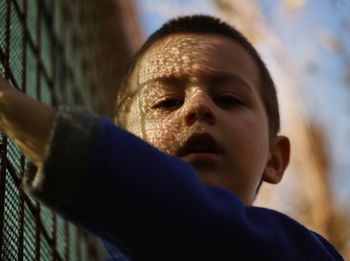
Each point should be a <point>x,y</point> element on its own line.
<point>200,144</point>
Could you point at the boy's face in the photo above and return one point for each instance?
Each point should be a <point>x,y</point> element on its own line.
<point>198,99</point>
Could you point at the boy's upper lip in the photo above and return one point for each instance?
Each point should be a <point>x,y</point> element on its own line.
<point>199,140</point>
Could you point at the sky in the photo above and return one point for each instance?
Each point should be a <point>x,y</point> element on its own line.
<point>315,38</point>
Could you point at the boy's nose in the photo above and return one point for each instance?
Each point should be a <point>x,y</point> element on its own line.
<point>200,108</point>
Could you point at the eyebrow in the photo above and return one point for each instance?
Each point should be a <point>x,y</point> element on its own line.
<point>210,76</point>
<point>223,76</point>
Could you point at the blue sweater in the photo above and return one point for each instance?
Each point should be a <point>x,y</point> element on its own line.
<point>153,206</point>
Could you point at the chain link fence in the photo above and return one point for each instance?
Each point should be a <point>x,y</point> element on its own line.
<point>57,52</point>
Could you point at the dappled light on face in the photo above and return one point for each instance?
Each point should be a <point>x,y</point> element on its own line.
<point>197,95</point>
<point>176,56</point>
<point>162,75</point>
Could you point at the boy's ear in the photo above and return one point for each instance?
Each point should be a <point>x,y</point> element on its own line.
<point>278,160</point>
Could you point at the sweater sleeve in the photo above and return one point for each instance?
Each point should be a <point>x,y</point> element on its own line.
<point>153,206</point>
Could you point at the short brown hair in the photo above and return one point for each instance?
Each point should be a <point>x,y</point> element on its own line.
<point>202,24</point>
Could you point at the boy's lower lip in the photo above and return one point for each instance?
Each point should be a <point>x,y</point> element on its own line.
<point>202,156</point>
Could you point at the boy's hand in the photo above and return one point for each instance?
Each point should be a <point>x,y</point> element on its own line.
<point>25,120</point>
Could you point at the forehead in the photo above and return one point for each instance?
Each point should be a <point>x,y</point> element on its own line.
<point>195,55</point>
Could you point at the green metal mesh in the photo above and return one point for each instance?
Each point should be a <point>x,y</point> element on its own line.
<point>38,57</point>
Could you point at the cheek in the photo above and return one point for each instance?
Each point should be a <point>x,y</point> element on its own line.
<point>163,133</point>
<point>259,154</point>
<point>160,130</point>
<point>134,119</point>
<point>249,141</point>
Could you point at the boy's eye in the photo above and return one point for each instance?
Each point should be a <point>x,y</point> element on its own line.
<point>227,101</point>
<point>168,103</point>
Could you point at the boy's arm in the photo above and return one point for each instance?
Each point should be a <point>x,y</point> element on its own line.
<point>153,206</point>
<point>25,120</point>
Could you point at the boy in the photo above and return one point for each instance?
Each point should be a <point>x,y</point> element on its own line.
<point>197,90</point>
